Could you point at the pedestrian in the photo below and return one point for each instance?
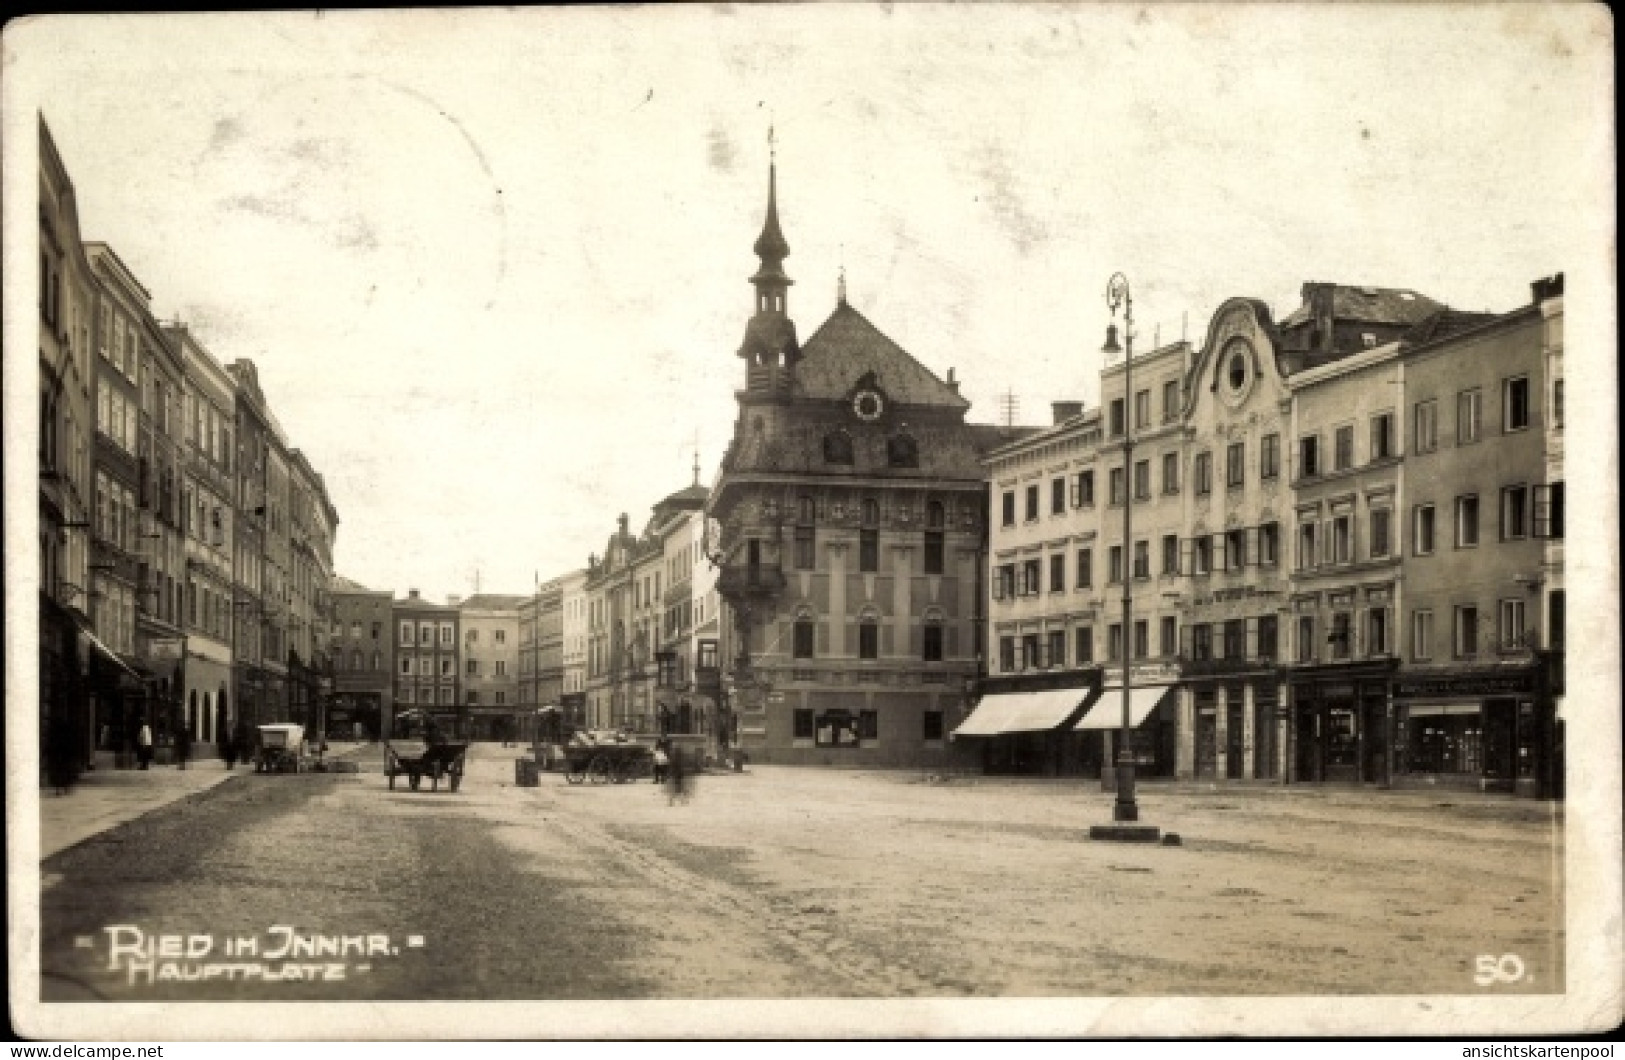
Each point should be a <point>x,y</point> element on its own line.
<point>183,745</point>
<point>662,761</point>
<point>143,744</point>
<point>679,780</point>
<point>241,748</point>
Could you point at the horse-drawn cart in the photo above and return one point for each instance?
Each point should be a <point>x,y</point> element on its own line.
<point>435,760</point>
<point>604,758</point>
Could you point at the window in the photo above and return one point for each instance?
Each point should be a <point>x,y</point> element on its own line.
<point>1142,408</point>
<point>447,634</point>
<point>1007,654</point>
<point>1114,642</point>
<point>1235,465</point>
<point>406,634</point>
<point>1468,409</point>
<point>1514,512</point>
<point>1548,511</point>
<point>473,667</point>
<point>1307,554</point>
<point>1422,530</point>
<point>1086,568</point>
<point>1167,636</point>
<point>1342,540</point>
<point>1421,635</point>
<point>1114,565</point>
<point>1515,403</point>
<point>932,725</point>
<point>1557,403</point>
<point>473,698</point>
<point>446,668</point>
<point>868,550</point>
<point>1308,457</point>
<point>932,645</point>
<point>1510,614</point>
<point>1306,638</point>
<point>801,724</point>
<point>1032,503</point>
<point>804,637</point>
<point>1004,582</point>
<point>1057,647</point>
<point>1084,640</point>
<point>1466,633</point>
<point>1269,456</point>
<point>1170,401</point>
<point>1142,480</point>
<point>1343,448</point>
<point>1202,555</point>
<point>1009,507</point>
<point>1201,641</point>
<point>1269,544</point>
<point>1427,426</point>
<point>1466,521</point>
<point>1235,638</point>
<point>1341,637</point>
<point>1202,470</point>
<point>1268,638</point>
<point>1057,496</point>
<point>1170,472</point>
<point>1376,631</point>
<point>1029,577</point>
<point>1030,659</point>
<point>406,664</point>
<point>1382,436</point>
<point>1235,549</point>
<point>1057,573</point>
<point>473,636</point>
<point>1115,488</point>
<point>1170,554</point>
<point>804,548</point>
<point>1556,617</point>
<point>1379,532</point>
<point>1115,418</point>
<point>1142,638</point>
<point>1142,560</point>
<point>933,552</point>
<point>1083,490</point>
<point>868,639</point>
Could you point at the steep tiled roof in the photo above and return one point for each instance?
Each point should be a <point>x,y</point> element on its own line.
<point>1374,305</point>
<point>492,602</point>
<point>341,584</point>
<point>990,436</point>
<point>1443,324</point>
<point>846,347</point>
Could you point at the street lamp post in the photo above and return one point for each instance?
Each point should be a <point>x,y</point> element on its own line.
<point>1125,811</point>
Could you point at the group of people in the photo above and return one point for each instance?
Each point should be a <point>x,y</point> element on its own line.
<point>237,745</point>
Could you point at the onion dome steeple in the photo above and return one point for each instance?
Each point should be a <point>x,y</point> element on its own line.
<point>770,337</point>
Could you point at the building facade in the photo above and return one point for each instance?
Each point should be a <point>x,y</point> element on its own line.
<point>573,606</point>
<point>362,648</point>
<point>427,656</point>
<point>850,531</point>
<point>490,664</point>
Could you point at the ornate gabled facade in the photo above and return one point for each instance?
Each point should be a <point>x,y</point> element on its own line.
<point>848,528</point>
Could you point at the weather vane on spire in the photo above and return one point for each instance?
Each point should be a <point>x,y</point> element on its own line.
<point>772,145</point>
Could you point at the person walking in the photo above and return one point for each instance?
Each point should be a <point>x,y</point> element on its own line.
<point>143,744</point>
<point>662,760</point>
<point>228,748</point>
<point>183,744</point>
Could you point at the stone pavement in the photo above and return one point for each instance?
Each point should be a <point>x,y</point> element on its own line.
<point>106,798</point>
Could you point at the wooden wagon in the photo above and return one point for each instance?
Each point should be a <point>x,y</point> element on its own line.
<point>435,761</point>
<point>605,758</point>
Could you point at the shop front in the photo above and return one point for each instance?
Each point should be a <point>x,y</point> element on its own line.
<point>1236,722</point>
<point>1490,729</point>
<point>1340,730</point>
<point>1025,725</point>
<point>1153,730</point>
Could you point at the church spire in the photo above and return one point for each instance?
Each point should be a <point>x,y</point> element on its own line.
<point>770,337</point>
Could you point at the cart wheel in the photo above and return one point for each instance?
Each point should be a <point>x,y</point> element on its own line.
<point>574,774</point>
<point>598,770</point>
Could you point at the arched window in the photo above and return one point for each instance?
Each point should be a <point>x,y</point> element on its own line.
<point>871,512</point>
<point>902,451</point>
<point>805,629</point>
<point>935,516</point>
<point>868,635</point>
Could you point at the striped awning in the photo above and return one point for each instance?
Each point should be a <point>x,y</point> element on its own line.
<point>1023,712</point>
<point>1107,712</point>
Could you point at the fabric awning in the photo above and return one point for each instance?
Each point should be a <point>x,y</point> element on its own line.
<point>1107,713</point>
<point>1022,712</point>
<point>111,655</point>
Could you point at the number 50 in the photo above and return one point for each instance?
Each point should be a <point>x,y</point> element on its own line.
<point>1507,968</point>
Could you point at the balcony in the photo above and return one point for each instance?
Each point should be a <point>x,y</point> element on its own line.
<point>760,581</point>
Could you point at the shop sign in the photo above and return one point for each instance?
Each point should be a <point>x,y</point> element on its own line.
<point>1466,686</point>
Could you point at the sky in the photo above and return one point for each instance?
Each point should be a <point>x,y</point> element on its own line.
<point>492,265</point>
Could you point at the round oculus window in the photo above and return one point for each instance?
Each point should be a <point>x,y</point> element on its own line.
<point>868,405</point>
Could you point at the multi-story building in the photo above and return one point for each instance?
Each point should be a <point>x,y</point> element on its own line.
<point>850,510</point>
<point>548,657</point>
<point>609,605</point>
<point>312,524</point>
<point>116,541</point>
<point>490,664</point>
<point>1473,702</point>
<point>67,382</point>
<point>276,597</point>
<point>362,648</point>
<point>161,572</point>
<point>427,653</point>
<point>529,651</point>
<point>253,601</point>
<point>680,531</point>
<point>208,521</point>
<point>573,605</point>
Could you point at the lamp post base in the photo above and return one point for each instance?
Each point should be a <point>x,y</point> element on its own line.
<point>1126,833</point>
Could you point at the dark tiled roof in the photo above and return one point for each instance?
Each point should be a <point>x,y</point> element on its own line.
<point>846,347</point>
<point>1443,324</point>
<point>1371,305</point>
<point>990,436</point>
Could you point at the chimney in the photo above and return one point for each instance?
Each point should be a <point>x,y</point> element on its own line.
<point>622,521</point>
<point>1550,287</point>
<point>1065,410</point>
<point>411,594</point>
<point>453,599</point>
<point>953,384</point>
